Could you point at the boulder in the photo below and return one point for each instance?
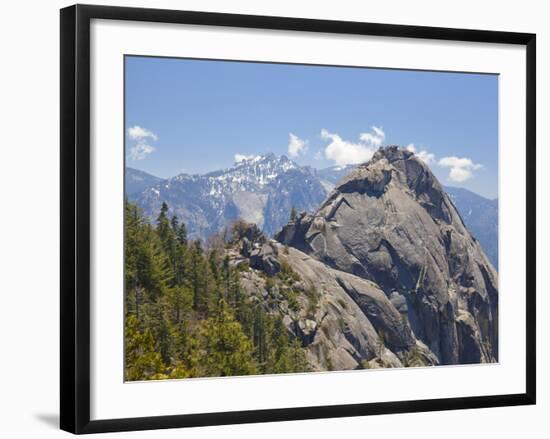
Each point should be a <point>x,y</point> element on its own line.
<point>264,258</point>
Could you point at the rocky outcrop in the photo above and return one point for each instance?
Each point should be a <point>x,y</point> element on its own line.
<point>349,324</point>
<point>390,223</point>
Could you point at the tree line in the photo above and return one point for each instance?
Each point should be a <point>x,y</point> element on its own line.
<point>186,313</point>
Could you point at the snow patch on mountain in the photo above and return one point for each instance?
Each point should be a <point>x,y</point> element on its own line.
<point>258,189</point>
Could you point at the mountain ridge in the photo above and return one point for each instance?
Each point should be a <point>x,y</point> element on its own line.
<point>479,213</point>
<point>374,224</point>
<point>330,174</point>
<point>262,190</point>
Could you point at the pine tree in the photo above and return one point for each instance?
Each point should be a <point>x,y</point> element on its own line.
<point>142,361</point>
<point>297,354</point>
<point>163,225</point>
<point>182,234</point>
<point>228,350</point>
<point>174,222</point>
<point>132,224</point>
<point>179,301</point>
<point>260,339</point>
<point>146,266</point>
<point>198,278</point>
<point>155,269</point>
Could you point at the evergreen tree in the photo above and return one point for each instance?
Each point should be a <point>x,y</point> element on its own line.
<point>228,350</point>
<point>182,234</point>
<point>132,228</point>
<point>146,266</point>
<point>186,312</point>
<point>163,225</point>
<point>142,361</point>
<point>260,338</point>
<point>198,274</point>
<point>174,222</point>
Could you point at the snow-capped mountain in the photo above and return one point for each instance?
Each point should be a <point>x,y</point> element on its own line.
<point>137,181</point>
<point>260,189</point>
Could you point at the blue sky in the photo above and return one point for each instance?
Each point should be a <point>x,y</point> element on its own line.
<point>196,116</point>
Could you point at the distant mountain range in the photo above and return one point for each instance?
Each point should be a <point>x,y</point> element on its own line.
<point>137,181</point>
<point>261,190</point>
<point>481,218</point>
<point>334,174</point>
<point>264,189</point>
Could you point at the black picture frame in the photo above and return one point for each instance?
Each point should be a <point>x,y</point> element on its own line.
<point>75,217</point>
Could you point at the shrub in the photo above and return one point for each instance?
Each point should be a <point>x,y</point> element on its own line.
<point>243,266</point>
<point>269,283</point>
<point>287,273</point>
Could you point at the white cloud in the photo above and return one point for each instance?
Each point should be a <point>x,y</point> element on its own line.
<point>425,156</point>
<point>379,132</point>
<point>138,133</point>
<point>242,157</point>
<point>461,169</point>
<point>343,152</point>
<point>142,148</point>
<point>141,151</point>
<point>296,146</point>
<point>375,138</point>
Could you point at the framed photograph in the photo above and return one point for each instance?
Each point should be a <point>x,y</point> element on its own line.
<point>268,218</point>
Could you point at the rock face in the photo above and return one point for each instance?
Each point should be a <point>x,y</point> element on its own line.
<point>391,224</point>
<point>480,214</point>
<point>349,324</point>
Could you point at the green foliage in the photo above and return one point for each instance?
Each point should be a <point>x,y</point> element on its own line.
<point>313,299</point>
<point>142,361</point>
<point>243,266</point>
<point>292,298</point>
<point>414,358</point>
<point>342,303</point>
<point>365,364</point>
<point>342,324</point>
<point>287,273</point>
<point>276,351</point>
<point>186,313</point>
<point>269,283</point>
<point>228,350</point>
